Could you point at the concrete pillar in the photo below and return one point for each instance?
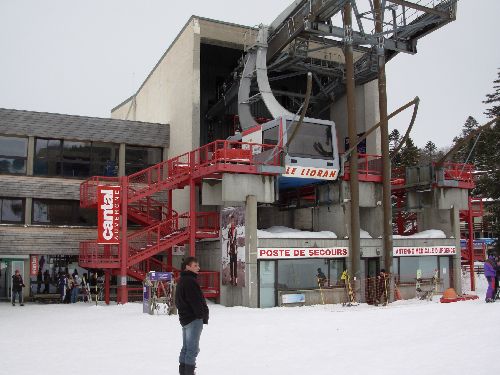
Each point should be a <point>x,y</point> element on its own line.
<point>28,209</point>
<point>121,160</point>
<point>30,156</point>
<point>456,282</point>
<point>251,277</point>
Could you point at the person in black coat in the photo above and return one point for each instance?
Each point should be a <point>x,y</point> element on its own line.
<point>39,279</point>
<point>193,314</point>
<point>17,288</point>
<point>46,281</point>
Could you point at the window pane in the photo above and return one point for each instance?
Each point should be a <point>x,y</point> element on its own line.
<point>104,159</point>
<point>52,212</point>
<point>13,165</point>
<point>47,148</point>
<point>13,146</point>
<point>311,141</point>
<point>12,210</point>
<point>76,169</point>
<point>78,151</point>
<point>137,158</point>
<point>408,267</point>
<point>86,216</point>
<point>300,274</point>
<point>337,266</point>
<point>271,136</point>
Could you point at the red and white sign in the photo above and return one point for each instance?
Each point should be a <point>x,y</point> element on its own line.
<point>306,252</point>
<point>422,251</point>
<point>33,265</point>
<point>108,214</point>
<point>309,172</point>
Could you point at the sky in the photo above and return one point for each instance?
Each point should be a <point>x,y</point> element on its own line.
<point>86,57</point>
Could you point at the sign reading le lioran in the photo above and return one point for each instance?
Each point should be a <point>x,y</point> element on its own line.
<point>425,250</point>
<point>306,252</point>
<point>310,172</point>
<point>108,215</point>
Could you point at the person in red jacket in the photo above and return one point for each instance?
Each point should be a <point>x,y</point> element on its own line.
<point>17,288</point>
<point>193,314</point>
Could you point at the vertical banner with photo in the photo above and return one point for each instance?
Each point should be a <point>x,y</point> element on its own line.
<point>233,246</point>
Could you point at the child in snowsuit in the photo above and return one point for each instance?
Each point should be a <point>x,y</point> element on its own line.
<point>490,272</point>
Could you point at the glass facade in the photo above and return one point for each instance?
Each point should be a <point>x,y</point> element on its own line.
<point>13,154</point>
<point>55,157</point>
<point>62,212</point>
<point>138,158</point>
<point>12,210</point>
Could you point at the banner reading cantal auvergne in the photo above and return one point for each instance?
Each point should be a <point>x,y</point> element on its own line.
<point>233,246</point>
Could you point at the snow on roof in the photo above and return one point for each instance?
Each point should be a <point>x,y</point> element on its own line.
<point>430,233</point>
<point>364,234</point>
<point>285,232</point>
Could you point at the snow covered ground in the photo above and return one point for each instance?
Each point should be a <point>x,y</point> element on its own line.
<point>410,337</point>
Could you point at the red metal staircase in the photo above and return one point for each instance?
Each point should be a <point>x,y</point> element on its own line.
<point>162,227</point>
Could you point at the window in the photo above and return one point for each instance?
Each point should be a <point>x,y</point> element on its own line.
<point>62,212</point>
<point>311,141</point>
<point>138,158</point>
<point>104,159</point>
<point>11,210</point>
<point>301,273</point>
<point>13,153</point>
<point>271,136</point>
<point>408,267</point>
<point>55,157</point>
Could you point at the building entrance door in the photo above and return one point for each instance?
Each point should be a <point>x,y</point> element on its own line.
<point>267,283</point>
<point>372,267</point>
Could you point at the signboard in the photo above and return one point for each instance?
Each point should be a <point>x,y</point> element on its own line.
<point>425,250</point>
<point>293,298</point>
<point>307,252</point>
<point>108,215</point>
<point>310,172</point>
<point>232,222</point>
<point>33,265</point>
<point>159,276</point>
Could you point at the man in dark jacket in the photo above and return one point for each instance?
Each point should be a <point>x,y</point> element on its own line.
<point>17,288</point>
<point>193,313</point>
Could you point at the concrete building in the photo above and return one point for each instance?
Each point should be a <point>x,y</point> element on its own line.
<point>185,88</point>
<point>43,159</point>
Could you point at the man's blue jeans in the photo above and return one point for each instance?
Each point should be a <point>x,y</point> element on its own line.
<point>74,294</point>
<point>191,342</point>
<point>19,294</point>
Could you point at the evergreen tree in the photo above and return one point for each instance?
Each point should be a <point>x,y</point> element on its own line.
<point>394,140</point>
<point>488,159</point>
<point>428,153</point>
<point>467,152</point>
<point>410,154</point>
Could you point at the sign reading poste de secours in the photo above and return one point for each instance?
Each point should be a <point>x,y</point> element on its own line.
<point>425,250</point>
<point>307,252</point>
<point>108,215</point>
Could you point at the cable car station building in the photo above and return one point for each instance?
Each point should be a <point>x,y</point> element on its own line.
<point>274,172</point>
<point>264,215</point>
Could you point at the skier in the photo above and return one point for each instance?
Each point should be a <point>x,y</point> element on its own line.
<point>233,251</point>
<point>490,271</point>
<point>61,285</point>
<point>193,314</point>
<point>17,288</point>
